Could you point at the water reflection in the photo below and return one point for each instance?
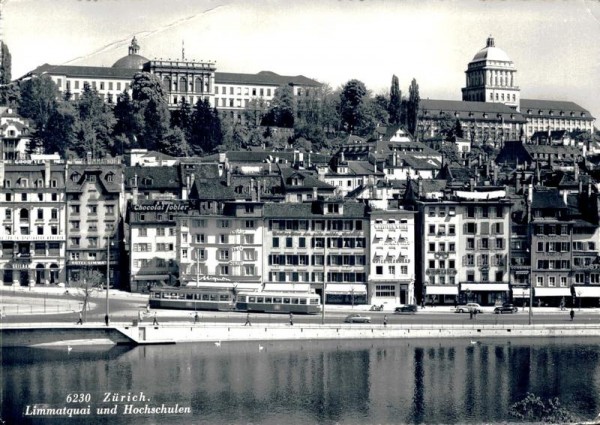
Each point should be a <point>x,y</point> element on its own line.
<point>352,382</point>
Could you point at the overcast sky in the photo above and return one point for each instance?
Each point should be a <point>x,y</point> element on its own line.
<point>553,43</point>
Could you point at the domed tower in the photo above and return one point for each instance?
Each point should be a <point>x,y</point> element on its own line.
<point>133,60</point>
<point>491,77</point>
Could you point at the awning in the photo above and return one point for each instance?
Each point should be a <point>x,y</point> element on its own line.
<point>588,291</point>
<point>151,277</point>
<point>520,292</point>
<point>442,290</point>
<point>497,287</point>
<point>287,287</point>
<point>345,289</point>
<point>552,292</point>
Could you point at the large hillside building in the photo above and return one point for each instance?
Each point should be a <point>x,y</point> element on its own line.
<point>183,79</point>
<point>492,110</point>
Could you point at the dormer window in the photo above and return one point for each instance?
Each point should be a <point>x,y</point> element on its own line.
<point>551,112</point>
<point>75,177</point>
<point>110,177</point>
<point>147,181</point>
<point>583,114</point>
<point>90,178</point>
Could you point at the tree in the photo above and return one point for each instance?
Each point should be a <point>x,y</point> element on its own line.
<point>412,112</point>
<point>126,126</point>
<point>10,95</point>
<point>5,65</point>
<point>39,97</point>
<point>206,128</point>
<point>352,104</point>
<point>182,118</point>
<point>59,133</point>
<point>94,126</point>
<point>175,144</point>
<point>458,131</point>
<point>151,110</point>
<point>283,107</point>
<point>254,112</point>
<point>395,105</point>
<point>88,282</point>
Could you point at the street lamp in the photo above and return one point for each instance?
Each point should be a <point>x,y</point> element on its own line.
<point>107,317</point>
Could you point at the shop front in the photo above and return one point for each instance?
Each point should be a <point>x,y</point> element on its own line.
<point>485,294</point>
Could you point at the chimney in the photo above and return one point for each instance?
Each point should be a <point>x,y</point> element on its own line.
<point>419,188</point>
<point>270,168</point>
<point>314,193</point>
<point>228,174</point>
<point>495,174</point>
<point>134,189</point>
<point>47,171</point>
<point>252,193</point>
<point>394,159</point>
<point>258,190</point>
<point>530,193</point>
<point>576,167</point>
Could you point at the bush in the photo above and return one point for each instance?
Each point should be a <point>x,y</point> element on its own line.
<point>533,409</point>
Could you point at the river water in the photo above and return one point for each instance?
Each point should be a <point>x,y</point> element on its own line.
<point>449,381</point>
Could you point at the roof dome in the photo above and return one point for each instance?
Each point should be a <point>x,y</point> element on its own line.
<point>491,52</point>
<point>132,60</point>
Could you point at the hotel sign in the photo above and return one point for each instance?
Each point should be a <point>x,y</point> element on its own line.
<point>162,206</point>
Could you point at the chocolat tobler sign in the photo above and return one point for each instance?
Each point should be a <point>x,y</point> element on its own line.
<point>161,206</point>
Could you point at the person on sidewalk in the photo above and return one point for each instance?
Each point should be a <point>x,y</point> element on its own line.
<point>106,320</point>
<point>470,314</point>
<point>140,317</point>
<point>196,318</point>
<point>291,319</point>
<point>248,320</point>
<point>385,320</point>
<point>80,321</point>
<point>155,321</point>
<point>572,314</point>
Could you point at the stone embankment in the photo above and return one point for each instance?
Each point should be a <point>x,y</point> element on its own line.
<point>170,333</point>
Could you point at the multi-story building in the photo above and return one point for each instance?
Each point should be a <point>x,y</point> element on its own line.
<point>33,213</point>
<point>322,243</point>
<point>392,257</point>
<point>182,79</point>
<point>462,241</point>
<point>221,244</point>
<point>15,134</point>
<point>94,191</point>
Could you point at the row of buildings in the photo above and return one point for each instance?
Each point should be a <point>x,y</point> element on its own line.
<point>253,220</point>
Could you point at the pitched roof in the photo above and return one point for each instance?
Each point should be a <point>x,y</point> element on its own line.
<point>212,189</point>
<point>542,108</point>
<point>83,71</point>
<point>263,78</point>
<point>309,210</point>
<point>547,198</point>
<point>153,178</point>
<point>470,110</point>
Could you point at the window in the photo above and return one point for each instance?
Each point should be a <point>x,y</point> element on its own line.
<point>289,242</point>
<point>110,209</point>
<point>142,231</point>
<point>223,224</point>
<point>92,242</point>
<point>392,270</point>
<point>223,239</point>
<point>223,254</point>
<point>224,270</point>
<point>54,214</point>
<point>92,209</point>
<point>379,270</point>
<point>275,242</point>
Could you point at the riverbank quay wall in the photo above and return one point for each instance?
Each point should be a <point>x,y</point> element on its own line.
<point>169,333</point>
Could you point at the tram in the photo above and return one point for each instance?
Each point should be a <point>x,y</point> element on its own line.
<point>278,302</point>
<point>186,298</point>
<point>223,299</point>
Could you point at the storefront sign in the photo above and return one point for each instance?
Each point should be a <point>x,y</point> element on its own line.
<point>161,206</point>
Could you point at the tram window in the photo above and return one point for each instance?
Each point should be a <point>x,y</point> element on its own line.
<point>205,297</point>
<point>181,296</point>
<point>302,300</point>
<point>251,299</point>
<point>224,297</point>
<point>294,300</point>
<point>286,300</point>
<point>268,300</point>
<point>277,300</point>
<point>213,297</point>
<point>189,296</point>
<point>314,301</point>
<point>260,300</point>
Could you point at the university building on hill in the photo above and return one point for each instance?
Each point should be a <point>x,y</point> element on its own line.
<point>183,79</point>
<point>492,110</point>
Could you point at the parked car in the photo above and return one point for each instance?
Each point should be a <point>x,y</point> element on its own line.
<point>506,308</point>
<point>406,309</point>
<point>474,307</point>
<point>357,318</point>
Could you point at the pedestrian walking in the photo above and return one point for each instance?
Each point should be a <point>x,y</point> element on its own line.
<point>470,314</point>
<point>572,314</point>
<point>385,320</point>
<point>291,319</point>
<point>80,321</point>
<point>106,319</point>
<point>196,318</point>
<point>140,317</point>
<point>148,308</point>
<point>248,320</point>
<point>155,321</point>
<point>423,303</point>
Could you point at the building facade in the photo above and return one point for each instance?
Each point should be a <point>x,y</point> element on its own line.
<point>33,212</point>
